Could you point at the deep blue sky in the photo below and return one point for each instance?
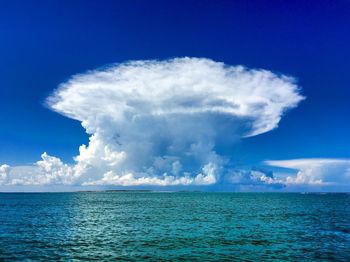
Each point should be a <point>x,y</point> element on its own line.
<point>42,43</point>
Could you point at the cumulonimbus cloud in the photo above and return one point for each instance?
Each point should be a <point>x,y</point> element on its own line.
<point>165,122</point>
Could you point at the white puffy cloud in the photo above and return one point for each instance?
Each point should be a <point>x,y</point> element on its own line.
<point>4,170</point>
<point>206,177</point>
<point>164,122</point>
<point>48,171</point>
<point>53,171</point>
<point>316,171</point>
<point>254,177</point>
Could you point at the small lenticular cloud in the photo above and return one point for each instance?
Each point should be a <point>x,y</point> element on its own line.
<point>166,122</point>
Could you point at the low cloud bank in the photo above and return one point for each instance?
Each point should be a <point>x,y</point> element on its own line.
<point>162,122</point>
<point>316,171</point>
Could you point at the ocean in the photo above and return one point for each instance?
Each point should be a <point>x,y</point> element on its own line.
<point>156,226</point>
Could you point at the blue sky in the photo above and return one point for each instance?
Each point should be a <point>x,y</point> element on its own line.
<point>44,43</point>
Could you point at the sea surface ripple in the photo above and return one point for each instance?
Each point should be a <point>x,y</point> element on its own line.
<point>133,226</point>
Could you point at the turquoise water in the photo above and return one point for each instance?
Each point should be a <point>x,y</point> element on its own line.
<point>175,226</point>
